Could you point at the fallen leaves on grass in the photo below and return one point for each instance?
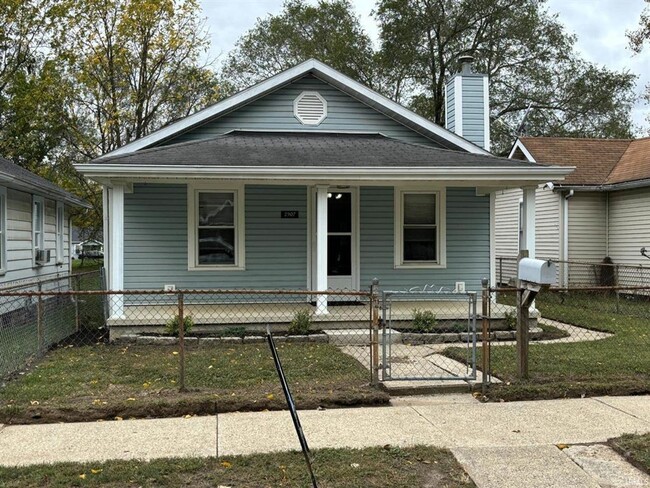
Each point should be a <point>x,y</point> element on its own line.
<point>226,464</point>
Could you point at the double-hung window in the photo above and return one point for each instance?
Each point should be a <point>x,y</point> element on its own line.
<point>217,229</point>
<point>60,224</point>
<point>38,218</point>
<point>420,233</point>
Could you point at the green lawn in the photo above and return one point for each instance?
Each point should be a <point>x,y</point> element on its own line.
<point>105,381</point>
<point>616,365</point>
<point>636,448</point>
<point>345,468</point>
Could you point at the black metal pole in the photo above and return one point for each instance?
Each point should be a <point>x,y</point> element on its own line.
<point>291,405</point>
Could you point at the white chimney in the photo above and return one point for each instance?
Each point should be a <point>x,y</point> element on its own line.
<point>467,104</point>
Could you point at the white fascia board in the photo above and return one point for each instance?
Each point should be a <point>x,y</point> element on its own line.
<point>520,145</point>
<point>482,173</point>
<point>348,85</point>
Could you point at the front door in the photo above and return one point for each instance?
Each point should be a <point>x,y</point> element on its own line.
<point>342,268</point>
<point>339,240</point>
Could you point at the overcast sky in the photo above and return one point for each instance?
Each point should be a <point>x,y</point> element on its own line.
<point>599,24</point>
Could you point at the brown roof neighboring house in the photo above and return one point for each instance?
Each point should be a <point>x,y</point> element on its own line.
<point>597,161</point>
<point>634,164</point>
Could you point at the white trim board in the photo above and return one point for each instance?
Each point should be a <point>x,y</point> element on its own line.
<point>520,145</point>
<point>441,228</point>
<point>329,75</point>
<point>193,189</point>
<point>403,173</point>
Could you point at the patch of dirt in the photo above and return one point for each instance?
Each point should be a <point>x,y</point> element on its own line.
<point>171,403</point>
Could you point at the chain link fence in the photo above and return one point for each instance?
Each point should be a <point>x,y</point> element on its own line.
<point>418,326</point>
<point>583,340</point>
<point>187,351</point>
<point>580,274</point>
<point>31,324</point>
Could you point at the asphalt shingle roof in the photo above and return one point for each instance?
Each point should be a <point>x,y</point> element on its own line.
<point>10,171</point>
<point>244,148</point>
<point>597,161</point>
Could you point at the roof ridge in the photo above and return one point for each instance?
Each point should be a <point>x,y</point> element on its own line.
<point>596,139</point>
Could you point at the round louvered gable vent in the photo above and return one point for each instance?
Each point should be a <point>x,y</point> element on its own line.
<point>310,108</point>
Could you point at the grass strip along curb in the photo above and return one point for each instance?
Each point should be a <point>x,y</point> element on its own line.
<point>350,468</point>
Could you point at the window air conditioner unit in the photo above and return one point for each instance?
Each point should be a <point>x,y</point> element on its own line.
<point>43,256</point>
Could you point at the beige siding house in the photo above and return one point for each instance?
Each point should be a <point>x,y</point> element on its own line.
<point>601,210</point>
<point>34,226</point>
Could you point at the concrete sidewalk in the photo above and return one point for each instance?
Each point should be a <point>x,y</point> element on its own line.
<point>520,434</point>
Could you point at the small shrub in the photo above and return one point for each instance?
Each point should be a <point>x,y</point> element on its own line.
<point>172,325</point>
<point>301,323</point>
<point>510,319</point>
<point>234,332</point>
<point>424,320</point>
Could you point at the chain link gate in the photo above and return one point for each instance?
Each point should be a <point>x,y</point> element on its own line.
<point>418,326</point>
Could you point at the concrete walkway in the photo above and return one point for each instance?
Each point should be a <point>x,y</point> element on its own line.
<point>500,444</point>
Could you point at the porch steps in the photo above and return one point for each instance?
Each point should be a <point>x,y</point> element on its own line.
<point>357,337</point>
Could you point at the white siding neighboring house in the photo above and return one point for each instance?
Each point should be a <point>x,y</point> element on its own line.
<point>34,219</point>
<point>601,210</point>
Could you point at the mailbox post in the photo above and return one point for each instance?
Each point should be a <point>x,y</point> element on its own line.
<point>534,275</point>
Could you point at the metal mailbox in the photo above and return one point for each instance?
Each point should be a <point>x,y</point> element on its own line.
<point>537,271</point>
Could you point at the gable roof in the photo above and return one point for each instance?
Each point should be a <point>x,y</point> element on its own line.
<point>13,175</point>
<point>597,161</point>
<point>329,75</point>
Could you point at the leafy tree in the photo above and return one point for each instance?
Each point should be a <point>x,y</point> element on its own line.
<point>134,66</point>
<point>328,31</point>
<point>639,38</point>
<point>526,53</point>
<point>131,66</point>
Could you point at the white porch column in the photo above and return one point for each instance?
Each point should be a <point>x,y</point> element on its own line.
<point>321,248</point>
<point>528,224</point>
<point>116,239</point>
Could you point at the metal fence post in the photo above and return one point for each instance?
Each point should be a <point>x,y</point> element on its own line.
<point>181,342</point>
<point>523,318</point>
<point>76,302</point>
<point>39,320</point>
<point>500,272</point>
<point>485,356</point>
<point>374,326</point>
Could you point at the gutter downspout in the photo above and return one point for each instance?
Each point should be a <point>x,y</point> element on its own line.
<point>565,237</point>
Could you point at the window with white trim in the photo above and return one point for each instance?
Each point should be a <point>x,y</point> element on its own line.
<point>217,229</point>
<point>38,219</point>
<point>419,233</point>
<point>60,224</point>
<point>3,230</point>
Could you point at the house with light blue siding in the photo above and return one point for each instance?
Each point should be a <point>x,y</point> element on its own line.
<point>309,180</point>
